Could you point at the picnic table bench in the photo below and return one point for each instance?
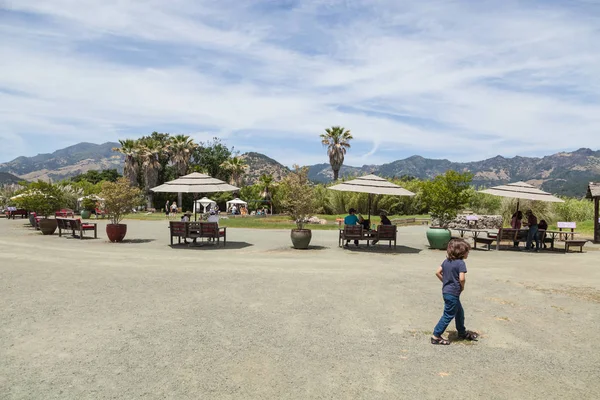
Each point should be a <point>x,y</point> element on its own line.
<point>195,230</point>
<point>12,213</point>
<point>574,243</point>
<point>75,226</point>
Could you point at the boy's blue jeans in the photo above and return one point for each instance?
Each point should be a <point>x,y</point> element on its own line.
<point>532,235</point>
<point>452,309</point>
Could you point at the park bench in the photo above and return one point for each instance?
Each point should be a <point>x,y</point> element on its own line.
<point>195,230</point>
<point>504,234</point>
<point>177,229</point>
<point>65,213</point>
<point>574,243</point>
<point>12,213</point>
<point>569,230</point>
<point>76,227</point>
<point>387,232</point>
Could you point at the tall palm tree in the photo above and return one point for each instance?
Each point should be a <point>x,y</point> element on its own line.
<point>265,182</point>
<point>181,148</point>
<point>237,168</point>
<point>150,152</point>
<point>131,150</point>
<point>337,141</point>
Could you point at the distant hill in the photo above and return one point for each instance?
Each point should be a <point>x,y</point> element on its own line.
<point>565,173</point>
<point>259,164</point>
<point>66,162</point>
<point>8,179</point>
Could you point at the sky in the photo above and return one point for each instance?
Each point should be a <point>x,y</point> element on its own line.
<point>462,80</point>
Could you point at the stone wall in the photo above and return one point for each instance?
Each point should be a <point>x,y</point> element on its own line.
<point>482,222</point>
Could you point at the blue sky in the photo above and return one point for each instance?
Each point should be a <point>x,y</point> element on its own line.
<point>463,80</point>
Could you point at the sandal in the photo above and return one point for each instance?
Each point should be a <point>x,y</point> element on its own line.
<point>441,341</point>
<point>469,335</point>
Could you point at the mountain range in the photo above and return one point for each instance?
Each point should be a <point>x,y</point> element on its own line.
<point>566,173</point>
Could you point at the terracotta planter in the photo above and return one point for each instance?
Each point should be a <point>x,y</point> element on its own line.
<point>301,238</point>
<point>48,226</point>
<point>438,238</point>
<point>116,232</point>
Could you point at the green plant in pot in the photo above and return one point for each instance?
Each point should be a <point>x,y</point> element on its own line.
<point>445,196</point>
<point>88,205</point>
<point>44,199</point>
<point>119,199</point>
<point>299,202</point>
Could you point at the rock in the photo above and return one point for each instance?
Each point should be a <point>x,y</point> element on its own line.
<point>474,222</point>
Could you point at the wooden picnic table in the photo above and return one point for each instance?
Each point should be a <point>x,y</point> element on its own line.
<point>474,232</point>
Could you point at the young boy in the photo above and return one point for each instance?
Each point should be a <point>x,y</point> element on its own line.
<point>452,275</point>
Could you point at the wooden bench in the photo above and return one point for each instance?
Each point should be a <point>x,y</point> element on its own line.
<point>574,243</point>
<point>13,213</point>
<point>387,232</point>
<point>504,234</point>
<point>566,226</point>
<point>178,229</point>
<point>76,227</point>
<point>195,230</point>
<point>65,213</point>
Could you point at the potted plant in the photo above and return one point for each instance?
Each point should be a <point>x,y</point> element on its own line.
<point>445,196</point>
<point>299,201</point>
<point>119,199</point>
<point>44,199</point>
<point>88,205</point>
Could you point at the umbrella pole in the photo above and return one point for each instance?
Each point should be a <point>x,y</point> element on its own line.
<point>518,200</point>
<point>195,211</point>
<point>369,208</point>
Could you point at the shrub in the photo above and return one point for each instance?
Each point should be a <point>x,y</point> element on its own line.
<point>41,197</point>
<point>120,199</point>
<point>446,195</point>
<point>574,210</point>
<point>298,197</point>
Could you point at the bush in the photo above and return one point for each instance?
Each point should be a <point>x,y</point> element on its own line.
<point>42,197</point>
<point>446,195</point>
<point>120,199</point>
<point>574,210</point>
<point>298,197</point>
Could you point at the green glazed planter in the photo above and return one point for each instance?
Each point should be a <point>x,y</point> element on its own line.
<point>301,238</point>
<point>85,214</point>
<point>438,238</point>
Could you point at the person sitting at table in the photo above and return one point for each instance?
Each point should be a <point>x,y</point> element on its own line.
<point>351,219</point>
<point>516,222</point>
<point>543,227</point>
<point>532,234</point>
<point>384,221</point>
<point>186,216</point>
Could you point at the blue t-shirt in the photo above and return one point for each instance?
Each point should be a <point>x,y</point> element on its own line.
<point>450,276</point>
<point>351,220</point>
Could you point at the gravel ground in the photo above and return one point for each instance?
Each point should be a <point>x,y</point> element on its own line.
<point>87,319</point>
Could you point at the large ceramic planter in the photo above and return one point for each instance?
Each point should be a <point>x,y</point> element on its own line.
<point>48,226</point>
<point>116,232</point>
<point>438,238</point>
<point>301,238</point>
<point>85,214</point>
<point>32,219</point>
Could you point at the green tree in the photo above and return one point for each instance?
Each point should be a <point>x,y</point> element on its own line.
<point>237,167</point>
<point>181,149</point>
<point>150,152</point>
<point>130,149</point>
<point>298,196</point>
<point>446,195</point>
<point>41,197</point>
<point>208,158</point>
<point>337,140</point>
<point>119,199</point>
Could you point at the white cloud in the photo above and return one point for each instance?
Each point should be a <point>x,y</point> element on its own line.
<point>439,78</point>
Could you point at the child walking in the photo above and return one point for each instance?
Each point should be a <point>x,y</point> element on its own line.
<point>452,274</point>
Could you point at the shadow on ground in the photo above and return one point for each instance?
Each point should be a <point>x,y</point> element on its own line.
<point>206,246</point>
<point>383,249</point>
<point>136,241</point>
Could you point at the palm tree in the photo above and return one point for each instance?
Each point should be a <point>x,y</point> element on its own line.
<point>131,150</point>
<point>150,152</point>
<point>265,182</point>
<point>181,148</point>
<point>236,167</point>
<point>337,140</point>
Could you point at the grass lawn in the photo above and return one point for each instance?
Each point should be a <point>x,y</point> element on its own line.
<point>270,222</point>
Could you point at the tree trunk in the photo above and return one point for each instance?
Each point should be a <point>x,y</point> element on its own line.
<point>149,200</point>
<point>336,173</point>
<point>180,200</point>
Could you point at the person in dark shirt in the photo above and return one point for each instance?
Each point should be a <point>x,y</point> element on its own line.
<point>384,221</point>
<point>452,274</point>
<point>542,227</point>
<point>532,234</point>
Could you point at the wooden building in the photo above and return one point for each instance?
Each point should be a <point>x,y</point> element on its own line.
<point>594,194</point>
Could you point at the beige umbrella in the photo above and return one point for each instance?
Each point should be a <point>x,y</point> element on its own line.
<point>521,190</point>
<point>371,184</point>
<point>195,183</point>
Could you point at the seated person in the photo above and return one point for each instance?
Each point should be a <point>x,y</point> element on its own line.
<point>384,221</point>
<point>543,226</point>
<point>351,219</point>
<point>212,217</point>
<point>186,217</point>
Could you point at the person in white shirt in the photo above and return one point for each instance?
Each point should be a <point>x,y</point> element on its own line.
<point>186,216</point>
<point>213,217</point>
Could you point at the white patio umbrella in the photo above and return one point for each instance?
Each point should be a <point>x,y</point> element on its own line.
<point>204,202</point>
<point>195,183</point>
<point>521,190</point>
<point>372,184</point>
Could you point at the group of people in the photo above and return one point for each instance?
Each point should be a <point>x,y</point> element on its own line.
<point>170,209</point>
<point>533,233</point>
<point>353,219</point>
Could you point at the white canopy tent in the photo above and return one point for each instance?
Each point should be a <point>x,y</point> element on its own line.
<point>371,184</point>
<point>236,202</point>
<point>204,202</point>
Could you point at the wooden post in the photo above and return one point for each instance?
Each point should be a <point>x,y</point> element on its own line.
<point>596,221</point>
